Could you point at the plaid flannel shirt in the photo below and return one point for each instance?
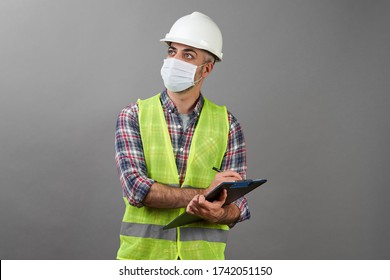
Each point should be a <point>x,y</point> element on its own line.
<point>130,158</point>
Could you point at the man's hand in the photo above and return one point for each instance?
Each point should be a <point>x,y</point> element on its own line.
<point>225,176</point>
<point>210,211</point>
<point>214,211</point>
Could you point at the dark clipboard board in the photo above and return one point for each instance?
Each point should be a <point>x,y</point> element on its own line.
<point>235,190</point>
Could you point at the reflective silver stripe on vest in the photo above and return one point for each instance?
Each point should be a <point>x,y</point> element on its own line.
<point>206,234</point>
<point>186,233</point>
<point>147,231</point>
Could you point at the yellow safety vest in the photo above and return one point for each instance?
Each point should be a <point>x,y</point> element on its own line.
<point>142,236</point>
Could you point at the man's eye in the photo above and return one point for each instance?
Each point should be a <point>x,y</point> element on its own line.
<point>189,56</point>
<point>171,52</point>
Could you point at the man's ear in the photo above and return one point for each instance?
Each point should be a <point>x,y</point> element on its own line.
<point>207,68</point>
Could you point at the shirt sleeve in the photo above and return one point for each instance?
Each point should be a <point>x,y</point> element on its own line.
<point>129,157</point>
<point>235,159</point>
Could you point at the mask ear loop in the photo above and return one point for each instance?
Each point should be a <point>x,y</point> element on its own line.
<point>198,80</point>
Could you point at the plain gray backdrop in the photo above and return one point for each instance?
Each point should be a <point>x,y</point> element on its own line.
<point>307,79</point>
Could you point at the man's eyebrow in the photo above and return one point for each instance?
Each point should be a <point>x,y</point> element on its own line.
<point>184,50</point>
<point>190,50</point>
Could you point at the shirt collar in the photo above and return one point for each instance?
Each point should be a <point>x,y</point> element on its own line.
<point>170,106</point>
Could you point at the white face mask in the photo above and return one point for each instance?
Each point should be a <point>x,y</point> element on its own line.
<point>178,75</point>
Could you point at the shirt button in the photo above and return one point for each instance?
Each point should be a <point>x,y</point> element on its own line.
<point>181,149</point>
<point>179,126</point>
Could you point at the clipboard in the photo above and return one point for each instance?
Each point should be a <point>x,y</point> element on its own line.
<point>235,190</point>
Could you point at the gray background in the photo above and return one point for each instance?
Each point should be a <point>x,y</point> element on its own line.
<point>308,80</point>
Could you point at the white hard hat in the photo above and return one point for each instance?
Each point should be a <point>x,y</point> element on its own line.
<point>197,30</point>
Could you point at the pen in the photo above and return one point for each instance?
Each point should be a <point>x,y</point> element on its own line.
<point>216,169</point>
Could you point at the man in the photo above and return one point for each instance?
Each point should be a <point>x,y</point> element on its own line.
<point>166,147</point>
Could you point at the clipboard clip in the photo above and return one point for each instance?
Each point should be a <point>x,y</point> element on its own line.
<point>241,183</point>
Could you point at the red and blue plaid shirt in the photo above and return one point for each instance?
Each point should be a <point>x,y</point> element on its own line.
<point>130,158</point>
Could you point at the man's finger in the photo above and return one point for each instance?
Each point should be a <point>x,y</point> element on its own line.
<point>231,173</point>
<point>222,197</point>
